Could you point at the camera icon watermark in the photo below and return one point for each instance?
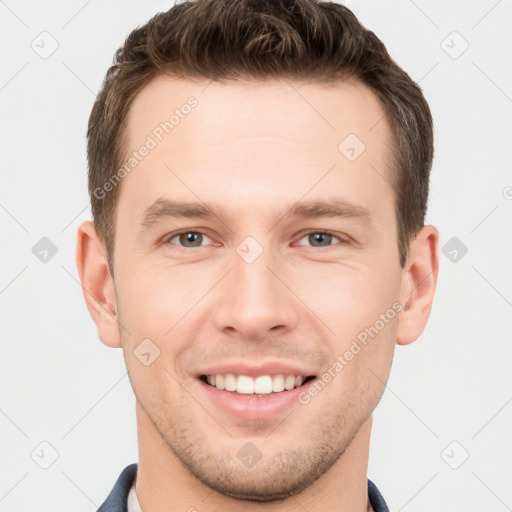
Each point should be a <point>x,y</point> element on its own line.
<point>44,455</point>
<point>454,249</point>
<point>147,352</point>
<point>455,455</point>
<point>351,147</point>
<point>454,45</point>
<point>45,45</point>
<point>44,250</point>
<point>249,249</point>
<point>249,455</point>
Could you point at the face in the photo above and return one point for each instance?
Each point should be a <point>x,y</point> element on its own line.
<point>256,243</point>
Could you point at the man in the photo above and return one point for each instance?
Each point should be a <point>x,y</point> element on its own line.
<point>259,174</point>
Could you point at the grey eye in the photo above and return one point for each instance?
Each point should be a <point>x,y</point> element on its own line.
<point>189,239</point>
<point>319,239</point>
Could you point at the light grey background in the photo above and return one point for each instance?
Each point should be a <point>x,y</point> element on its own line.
<point>61,386</point>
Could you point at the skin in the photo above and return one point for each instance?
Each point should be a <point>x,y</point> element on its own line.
<point>253,150</point>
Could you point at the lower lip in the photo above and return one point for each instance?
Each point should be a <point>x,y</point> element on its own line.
<point>252,407</point>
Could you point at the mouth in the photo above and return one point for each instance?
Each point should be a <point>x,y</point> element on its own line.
<point>254,399</point>
<point>261,386</point>
<point>255,392</point>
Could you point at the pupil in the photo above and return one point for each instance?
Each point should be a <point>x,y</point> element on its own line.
<point>190,238</point>
<point>322,238</point>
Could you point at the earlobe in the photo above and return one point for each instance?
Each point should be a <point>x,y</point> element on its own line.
<point>419,280</point>
<point>97,284</point>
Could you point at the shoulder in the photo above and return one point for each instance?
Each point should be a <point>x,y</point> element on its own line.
<point>117,499</point>
<point>376,500</point>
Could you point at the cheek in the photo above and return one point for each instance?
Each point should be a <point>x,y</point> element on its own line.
<point>348,300</point>
<point>357,306</point>
<point>157,309</point>
<point>361,362</point>
<point>154,298</point>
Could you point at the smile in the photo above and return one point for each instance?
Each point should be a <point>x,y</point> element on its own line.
<point>261,385</point>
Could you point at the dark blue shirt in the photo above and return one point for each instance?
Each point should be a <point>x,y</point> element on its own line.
<point>118,497</point>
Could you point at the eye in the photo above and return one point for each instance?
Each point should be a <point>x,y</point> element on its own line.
<point>321,239</point>
<point>188,239</point>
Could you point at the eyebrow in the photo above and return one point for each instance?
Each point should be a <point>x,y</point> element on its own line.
<point>165,208</point>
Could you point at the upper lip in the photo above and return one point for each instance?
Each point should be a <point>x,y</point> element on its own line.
<point>254,370</point>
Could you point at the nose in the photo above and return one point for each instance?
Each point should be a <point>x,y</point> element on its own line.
<point>255,301</point>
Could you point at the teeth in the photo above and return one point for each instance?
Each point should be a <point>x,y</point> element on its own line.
<point>220,382</point>
<point>245,385</point>
<point>261,385</point>
<point>230,382</point>
<point>289,382</point>
<point>278,383</point>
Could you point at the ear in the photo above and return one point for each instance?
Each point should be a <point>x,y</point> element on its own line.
<point>419,280</point>
<point>97,284</point>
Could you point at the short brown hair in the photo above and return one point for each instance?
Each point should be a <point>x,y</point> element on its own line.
<point>306,40</point>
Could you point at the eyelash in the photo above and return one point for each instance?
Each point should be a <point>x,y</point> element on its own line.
<point>167,240</point>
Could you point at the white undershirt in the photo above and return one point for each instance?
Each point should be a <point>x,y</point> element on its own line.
<point>133,502</point>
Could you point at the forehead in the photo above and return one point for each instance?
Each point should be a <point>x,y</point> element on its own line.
<point>258,141</point>
<point>272,108</point>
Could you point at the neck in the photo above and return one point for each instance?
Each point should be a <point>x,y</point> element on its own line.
<point>164,484</point>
